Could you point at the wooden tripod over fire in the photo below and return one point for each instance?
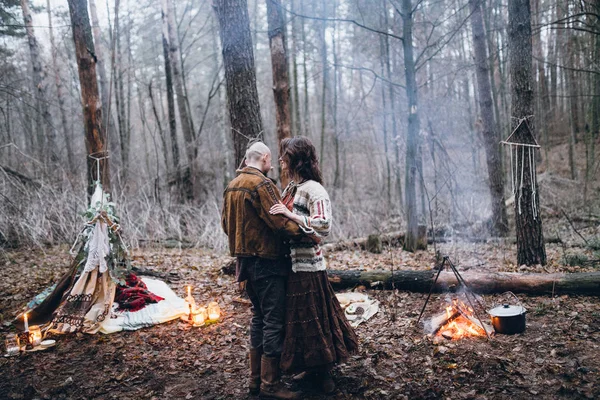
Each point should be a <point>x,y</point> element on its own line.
<point>445,265</point>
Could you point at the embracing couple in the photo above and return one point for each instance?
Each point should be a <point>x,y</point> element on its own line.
<point>297,324</point>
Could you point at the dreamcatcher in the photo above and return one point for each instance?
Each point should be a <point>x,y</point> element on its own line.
<point>522,146</point>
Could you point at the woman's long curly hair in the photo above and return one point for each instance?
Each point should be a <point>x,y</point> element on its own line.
<point>300,156</point>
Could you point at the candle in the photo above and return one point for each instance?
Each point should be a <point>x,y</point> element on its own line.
<point>26,323</point>
<point>190,300</point>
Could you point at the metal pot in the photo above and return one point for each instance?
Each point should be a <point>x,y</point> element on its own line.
<point>508,319</point>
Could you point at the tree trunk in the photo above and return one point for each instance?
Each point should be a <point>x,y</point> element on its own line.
<point>480,282</point>
<point>95,138</point>
<point>161,132</point>
<point>306,110</point>
<point>553,54</point>
<point>60,94</point>
<point>225,147</point>
<point>492,147</point>
<point>130,72</point>
<point>384,107</point>
<point>240,74</point>
<point>392,96</point>
<point>118,72</point>
<point>412,143</point>
<point>337,99</point>
<point>45,131</point>
<point>297,124</point>
<point>325,78</point>
<point>492,71</point>
<point>191,147</point>
<point>108,122</point>
<point>530,238</point>
<point>281,80</point>
<point>571,81</point>
<point>171,108</point>
<point>594,131</point>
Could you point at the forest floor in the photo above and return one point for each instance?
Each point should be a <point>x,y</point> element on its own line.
<point>558,355</point>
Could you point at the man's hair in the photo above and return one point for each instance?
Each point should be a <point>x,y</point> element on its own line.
<point>256,151</point>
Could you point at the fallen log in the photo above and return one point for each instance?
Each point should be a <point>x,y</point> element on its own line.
<point>394,239</point>
<point>480,282</point>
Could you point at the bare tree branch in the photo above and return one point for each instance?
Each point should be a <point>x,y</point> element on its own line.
<point>368,28</point>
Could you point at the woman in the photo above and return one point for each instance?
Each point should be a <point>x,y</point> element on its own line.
<point>317,333</point>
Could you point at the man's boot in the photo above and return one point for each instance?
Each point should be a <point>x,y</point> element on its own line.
<point>322,377</point>
<point>271,386</point>
<point>326,382</point>
<point>254,381</point>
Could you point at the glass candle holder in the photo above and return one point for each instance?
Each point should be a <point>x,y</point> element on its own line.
<point>199,319</point>
<point>11,343</point>
<point>35,335</point>
<point>214,311</point>
<point>201,315</point>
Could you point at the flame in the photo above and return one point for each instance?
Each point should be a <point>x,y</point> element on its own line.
<point>460,327</point>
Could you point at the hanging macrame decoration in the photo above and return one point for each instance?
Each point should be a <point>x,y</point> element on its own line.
<point>522,145</point>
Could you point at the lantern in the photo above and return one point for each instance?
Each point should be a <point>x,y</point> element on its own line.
<point>214,311</point>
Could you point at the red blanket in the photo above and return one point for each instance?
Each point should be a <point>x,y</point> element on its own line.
<point>134,295</point>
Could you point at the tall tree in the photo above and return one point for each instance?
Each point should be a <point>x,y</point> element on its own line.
<point>45,131</point>
<point>571,83</point>
<point>9,23</point>
<point>171,104</point>
<point>118,68</point>
<point>297,124</point>
<point>490,136</point>
<point>240,73</point>
<point>108,122</point>
<point>530,238</point>
<point>187,127</point>
<point>306,109</point>
<point>392,109</point>
<point>325,78</point>
<point>281,81</point>
<point>95,140</point>
<point>412,242</point>
<point>60,94</point>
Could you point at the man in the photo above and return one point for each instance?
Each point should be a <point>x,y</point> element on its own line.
<point>256,238</point>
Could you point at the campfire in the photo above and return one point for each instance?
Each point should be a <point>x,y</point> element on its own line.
<point>457,321</point>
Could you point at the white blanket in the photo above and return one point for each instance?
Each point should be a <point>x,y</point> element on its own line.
<point>172,307</point>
